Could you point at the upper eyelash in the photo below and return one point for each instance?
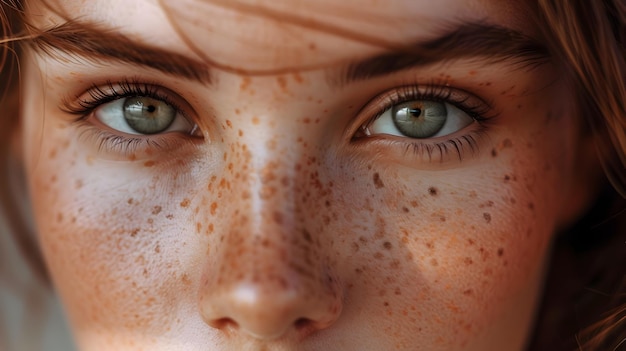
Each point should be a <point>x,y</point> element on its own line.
<point>479,111</point>
<point>114,91</point>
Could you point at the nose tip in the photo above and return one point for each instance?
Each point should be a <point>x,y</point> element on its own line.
<point>270,315</point>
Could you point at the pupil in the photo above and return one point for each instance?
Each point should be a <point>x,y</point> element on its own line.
<point>151,108</point>
<point>415,112</point>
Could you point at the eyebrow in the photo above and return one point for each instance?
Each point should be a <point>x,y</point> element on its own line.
<point>94,43</point>
<point>466,40</point>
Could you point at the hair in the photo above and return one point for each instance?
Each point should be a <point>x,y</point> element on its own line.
<point>588,38</point>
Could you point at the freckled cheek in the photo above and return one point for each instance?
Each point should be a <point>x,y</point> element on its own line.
<point>423,244</point>
<point>104,242</point>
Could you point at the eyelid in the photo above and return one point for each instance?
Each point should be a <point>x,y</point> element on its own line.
<point>84,103</point>
<point>423,152</point>
<point>475,107</point>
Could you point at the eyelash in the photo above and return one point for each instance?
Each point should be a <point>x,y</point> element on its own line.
<point>98,96</point>
<point>476,108</point>
<point>480,111</point>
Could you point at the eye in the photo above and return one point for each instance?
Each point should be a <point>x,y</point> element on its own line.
<point>142,115</point>
<point>419,119</point>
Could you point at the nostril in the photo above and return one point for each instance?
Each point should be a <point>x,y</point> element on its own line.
<point>306,326</point>
<point>303,323</point>
<point>224,324</point>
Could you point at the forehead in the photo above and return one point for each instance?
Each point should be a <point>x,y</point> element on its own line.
<point>270,34</point>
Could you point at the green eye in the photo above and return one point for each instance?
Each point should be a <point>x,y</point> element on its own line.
<point>146,115</point>
<point>419,119</point>
<point>142,115</point>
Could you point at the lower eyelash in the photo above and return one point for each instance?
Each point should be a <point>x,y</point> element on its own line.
<point>433,151</point>
<point>126,145</point>
<point>457,145</point>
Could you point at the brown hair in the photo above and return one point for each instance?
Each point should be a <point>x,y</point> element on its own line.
<point>589,39</point>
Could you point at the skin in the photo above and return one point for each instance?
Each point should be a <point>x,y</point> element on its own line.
<point>276,229</point>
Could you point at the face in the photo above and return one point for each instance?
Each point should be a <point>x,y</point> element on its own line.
<point>271,175</point>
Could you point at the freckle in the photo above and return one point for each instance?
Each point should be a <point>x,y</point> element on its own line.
<point>500,252</point>
<point>237,111</point>
<point>468,292</point>
<point>213,208</point>
<point>134,232</point>
<point>405,209</point>
<point>130,201</point>
<point>148,163</point>
<point>414,204</point>
<point>494,153</point>
<point>277,217</point>
<point>170,216</point>
<point>157,248</point>
<point>355,247</point>
<point>53,153</point>
<point>185,279</point>
<point>306,120</point>
<point>434,262</point>
<point>150,221</point>
<point>79,184</point>
<point>282,82</point>
<point>378,255</point>
<point>156,210</point>
<point>487,217</point>
<point>229,123</point>
<point>298,78</point>
<point>198,227</point>
<point>507,178</point>
<point>59,217</point>
<point>507,143</point>
<point>519,107</point>
<point>240,132</point>
<point>430,245</point>
<point>470,241</point>
<point>185,203</point>
<point>488,84</point>
<point>433,191</point>
<point>468,261</point>
<point>378,183</point>
<point>531,206</point>
<point>245,82</point>
<point>211,228</point>
<point>387,245</point>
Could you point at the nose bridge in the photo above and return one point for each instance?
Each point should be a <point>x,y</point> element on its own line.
<point>269,273</point>
<point>266,234</point>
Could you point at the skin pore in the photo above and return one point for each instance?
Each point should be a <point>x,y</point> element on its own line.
<point>277,212</point>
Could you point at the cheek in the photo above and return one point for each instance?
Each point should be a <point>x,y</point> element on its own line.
<point>112,237</point>
<point>451,253</point>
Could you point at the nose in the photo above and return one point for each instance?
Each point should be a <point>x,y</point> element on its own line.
<point>268,276</point>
